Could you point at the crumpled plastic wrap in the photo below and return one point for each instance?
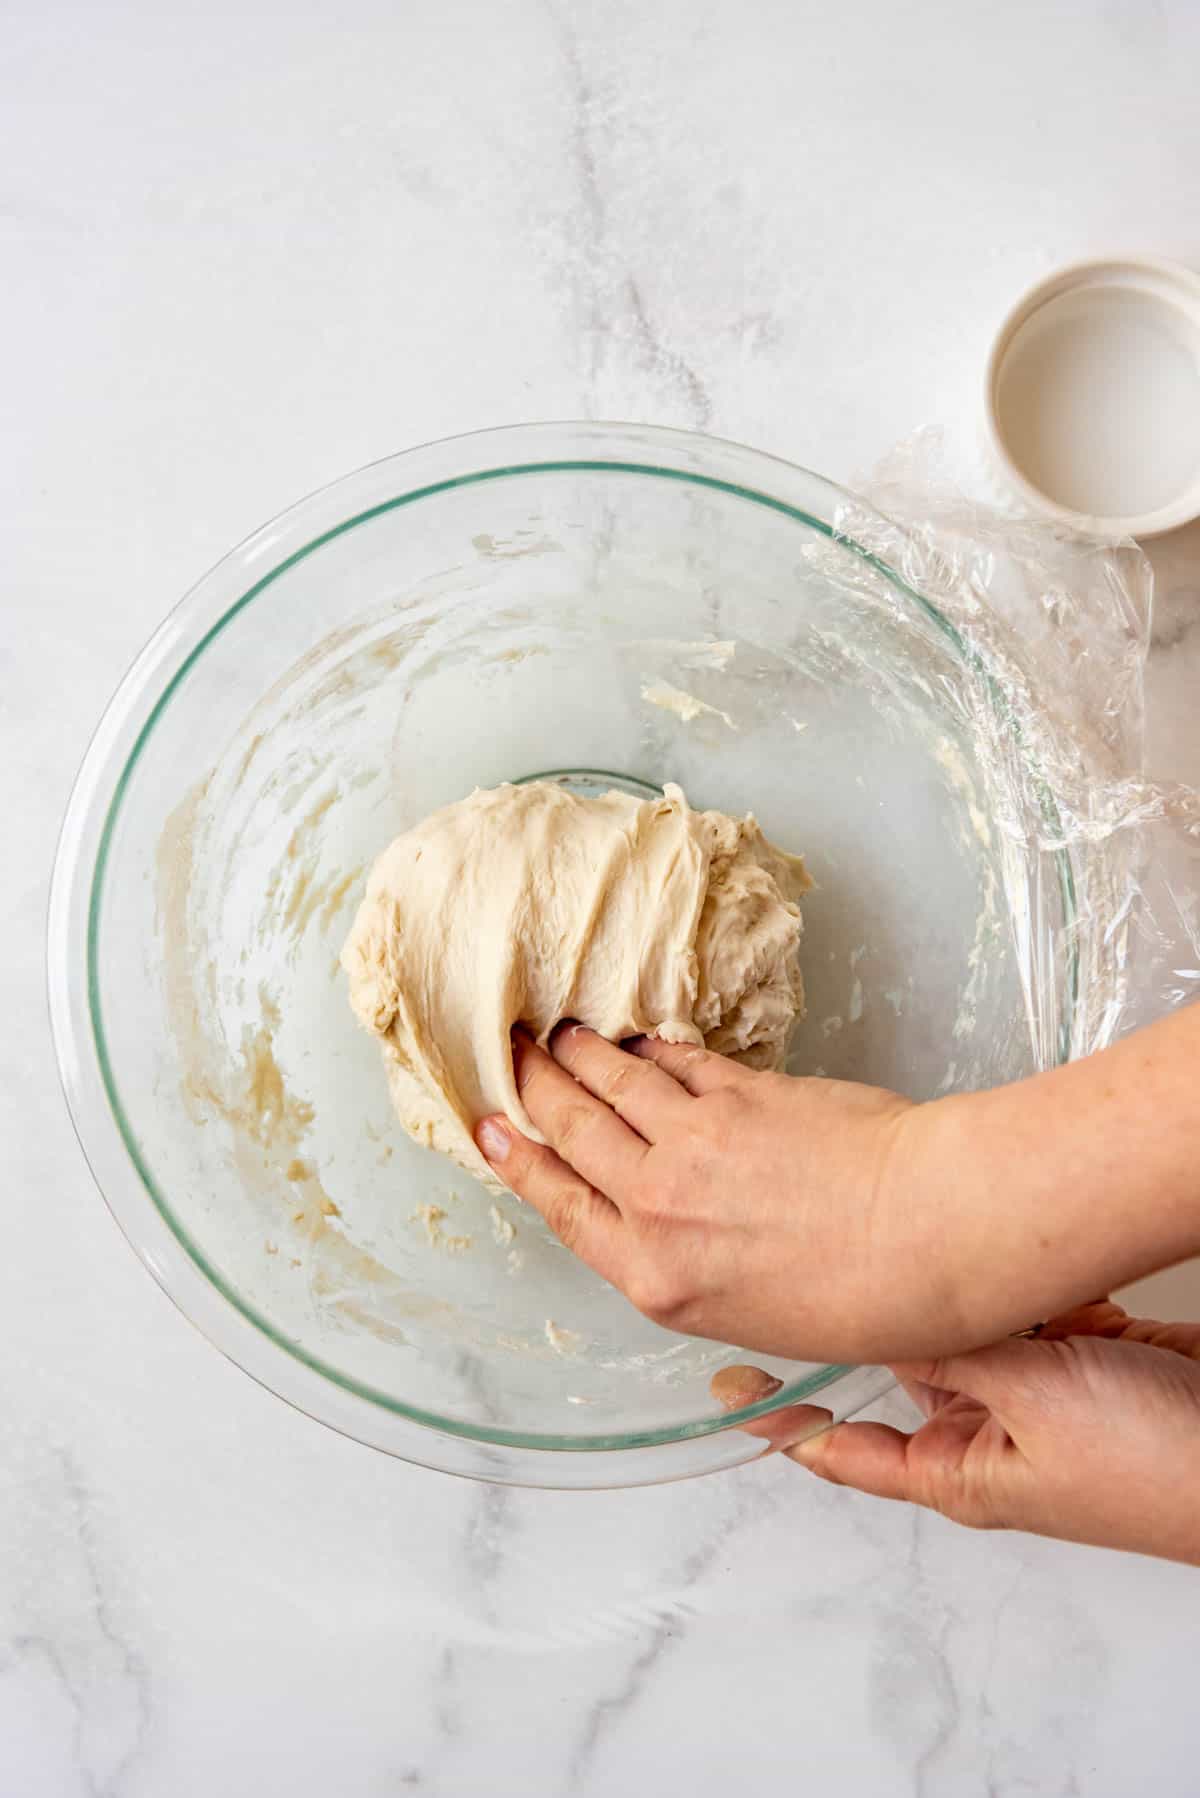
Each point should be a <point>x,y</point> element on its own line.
<point>1101,865</point>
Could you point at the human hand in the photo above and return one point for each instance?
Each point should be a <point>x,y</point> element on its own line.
<point>1089,1432</point>
<point>828,1221</point>
<point>730,1203</point>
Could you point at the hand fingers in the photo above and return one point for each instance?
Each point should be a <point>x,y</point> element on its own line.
<point>997,1377</point>
<point>1103,1318</point>
<point>738,1387</point>
<point>871,1457</point>
<point>643,1095</point>
<point>697,1070</point>
<point>580,1217</point>
<point>1184,1339</point>
<point>586,1134</point>
<point>1100,1318</point>
<point>1005,1375</point>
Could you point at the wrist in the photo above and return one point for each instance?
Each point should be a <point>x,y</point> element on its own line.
<point>1059,1188</point>
<point>920,1221</point>
<point>1014,1210</point>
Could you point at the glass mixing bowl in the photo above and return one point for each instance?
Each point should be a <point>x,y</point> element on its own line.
<point>606,605</point>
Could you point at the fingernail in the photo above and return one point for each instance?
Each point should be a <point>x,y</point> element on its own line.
<point>494,1139</point>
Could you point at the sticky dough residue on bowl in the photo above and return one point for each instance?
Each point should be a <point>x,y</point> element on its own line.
<point>259,871</point>
<point>254,898</point>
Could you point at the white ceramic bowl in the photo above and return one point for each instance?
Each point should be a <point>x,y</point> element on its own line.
<point>1092,396</point>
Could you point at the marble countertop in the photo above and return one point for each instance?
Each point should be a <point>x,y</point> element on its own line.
<point>249,248</point>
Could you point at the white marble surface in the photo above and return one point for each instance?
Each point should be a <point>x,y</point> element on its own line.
<point>248,248</point>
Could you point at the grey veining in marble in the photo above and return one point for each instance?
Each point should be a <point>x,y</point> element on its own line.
<point>247,249</point>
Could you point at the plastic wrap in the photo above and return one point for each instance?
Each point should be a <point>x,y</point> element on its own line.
<point>1101,865</point>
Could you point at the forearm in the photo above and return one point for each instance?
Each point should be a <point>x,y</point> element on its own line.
<point>1073,1182</point>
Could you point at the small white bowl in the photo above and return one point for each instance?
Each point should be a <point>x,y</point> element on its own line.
<point>1092,396</point>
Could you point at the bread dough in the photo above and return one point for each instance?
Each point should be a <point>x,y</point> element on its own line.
<point>527,904</point>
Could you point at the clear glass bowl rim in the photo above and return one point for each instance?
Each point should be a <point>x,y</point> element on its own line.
<point>89,1081</point>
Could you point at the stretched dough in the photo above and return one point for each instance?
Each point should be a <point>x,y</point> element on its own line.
<point>527,904</point>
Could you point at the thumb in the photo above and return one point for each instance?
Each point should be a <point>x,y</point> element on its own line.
<point>866,1455</point>
<point>871,1457</point>
<point>970,1400</point>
